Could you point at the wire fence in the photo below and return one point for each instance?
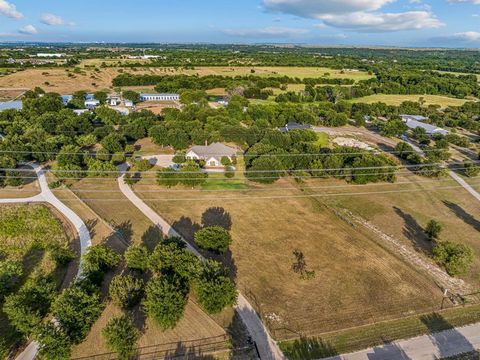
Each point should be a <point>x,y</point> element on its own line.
<point>195,349</point>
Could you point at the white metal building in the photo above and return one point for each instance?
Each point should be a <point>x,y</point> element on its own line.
<point>159,97</point>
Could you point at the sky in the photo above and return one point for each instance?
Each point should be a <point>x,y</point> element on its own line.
<point>412,23</point>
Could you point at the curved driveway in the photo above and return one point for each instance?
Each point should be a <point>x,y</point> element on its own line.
<point>47,196</point>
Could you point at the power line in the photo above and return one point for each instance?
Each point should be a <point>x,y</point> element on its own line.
<point>143,179</point>
<point>278,197</point>
<point>392,167</point>
<point>250,190</point>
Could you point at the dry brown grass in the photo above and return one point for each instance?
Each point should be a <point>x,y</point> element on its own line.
<point>356,281</point>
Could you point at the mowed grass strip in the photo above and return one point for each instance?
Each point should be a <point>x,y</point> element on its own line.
<point>355,339</point>
<point>397,100</point>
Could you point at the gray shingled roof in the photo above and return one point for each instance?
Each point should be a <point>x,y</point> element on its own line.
<point>216,150</point>
<point>17,105</point>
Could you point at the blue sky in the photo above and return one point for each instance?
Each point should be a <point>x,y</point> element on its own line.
<point>453,23</point>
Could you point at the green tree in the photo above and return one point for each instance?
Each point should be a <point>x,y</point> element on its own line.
<point>114,143</point>
<point>214,289</point>
<point>213,238</point>
<point>166,299</point>
<point>433,230</point>
<point>10,274</point>
<point>76,309</point>
<point>126,290</point>
<point>54,343</point>
<point>457,258</point>
<point>99,259</point>
<point>132,96</point>
<point>265,170</point>
<point>137,258</point>
<point>121,336</point>
<point>172,257</point>
<point>101,96</point>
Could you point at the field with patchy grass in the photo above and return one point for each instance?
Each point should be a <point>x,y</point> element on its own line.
<point>357,281</point>
<point>396,100</point>
<point>63,82</point>
<point>25,233</point>
<point>406,214</point>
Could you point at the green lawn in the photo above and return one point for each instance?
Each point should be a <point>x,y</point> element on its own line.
<point>396,100</point>
<point>224,185</point>
<point>323,139</point>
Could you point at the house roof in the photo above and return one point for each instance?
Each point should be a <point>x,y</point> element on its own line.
<point>216,150</point>
<point>16,105</point>
<point>162,94</point>
<point>413,117</point>
<point>430,129</point>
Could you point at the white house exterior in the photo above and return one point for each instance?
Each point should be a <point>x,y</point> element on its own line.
<point>91,104</point>
<point>211,154</point>
<point>159,97</point>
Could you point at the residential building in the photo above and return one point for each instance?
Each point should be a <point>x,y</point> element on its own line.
<point>212,154</point>
<point>430,129</point>
<point>114,100</point>
<point>159,97</point>
<point>413,117</point>
<point>66,99</point>
<point>129,103</point>
<point>80,111</point>
<point>91,104</point>
<point>45,55</point>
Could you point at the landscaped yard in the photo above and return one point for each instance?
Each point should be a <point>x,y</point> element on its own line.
<point>396,100</point>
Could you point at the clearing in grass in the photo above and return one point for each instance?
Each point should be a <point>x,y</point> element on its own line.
<point>397,100</point>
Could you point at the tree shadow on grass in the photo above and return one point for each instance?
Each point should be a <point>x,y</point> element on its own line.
<point>414,232</point>
<point>462,214</point>
<point>217,216</point>
<point>152,237</point>
<point>186,228</point>
<point>445,337</point>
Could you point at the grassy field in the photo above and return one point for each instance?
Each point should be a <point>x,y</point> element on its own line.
<point>396,100</point>
<point>405,215</point>
<point>58,79</point>
<point>357,282</point>
<point>25,231</point>
<point>374,335</point>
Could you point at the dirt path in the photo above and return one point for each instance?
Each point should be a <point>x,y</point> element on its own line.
<point>47,196</point>
<point>464,184</point>
<point>454,285</point>
<point>267,347</point>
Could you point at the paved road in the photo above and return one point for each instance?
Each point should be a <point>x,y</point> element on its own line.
<point>428,347</point>
<point>47,196</point>
<point>267,347</point>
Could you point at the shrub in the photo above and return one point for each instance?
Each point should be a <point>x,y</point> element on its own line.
<point>166,298</point>
<point>213,238</point>
<point>457,258</point>
<point>126,290</point>
<point>54,343</point>
<point>143,165</point>
<point>121,336</point>
<point>433,230</point>
<point>137,258</point>
<point>99,259</point>
<point>62,256</point>
<point>215,290</point>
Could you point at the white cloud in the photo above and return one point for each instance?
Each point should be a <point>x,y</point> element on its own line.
<point>9,10</point>
<point>476,2</point>
<point>383,22</point>
<point>52,20</point>
<point>316,8</point>
<point>28,30</point>
<point>270,32</point>
<point>358,15</point>
<point>468,36</point>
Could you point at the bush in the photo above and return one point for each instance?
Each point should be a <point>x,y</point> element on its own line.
<point>54,343</point>
<point>457,258</point>
<point>213,238</point>
<point>433,230</point>
<point>99,259</point>
<point>143,165</point>
<point>62,256</point>
<point>76,309</point>
<point>126,290</point>
<point>229,172</point>
<point>215,290</point>
<point>121,336</point>
<point>137,258</point>
<point>166,298</point>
